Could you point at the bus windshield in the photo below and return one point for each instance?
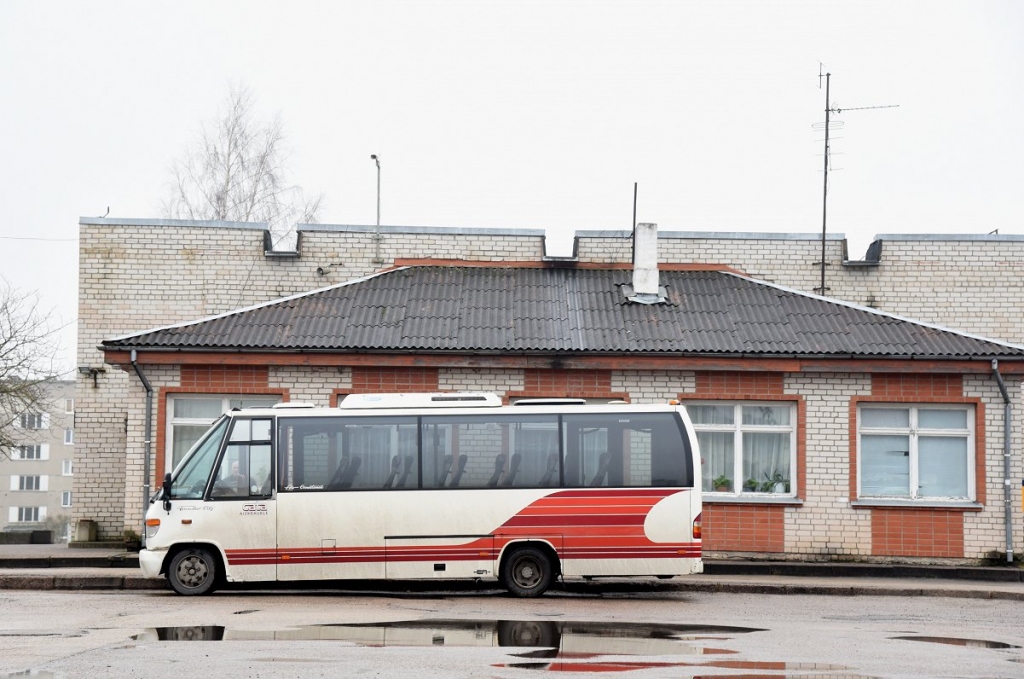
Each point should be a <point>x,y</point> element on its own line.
<point>192,474</point>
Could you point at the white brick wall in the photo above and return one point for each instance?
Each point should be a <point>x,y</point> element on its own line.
<point>827,460</point>
<point>652,386</point>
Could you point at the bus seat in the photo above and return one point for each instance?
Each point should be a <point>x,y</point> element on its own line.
<point>549,473</point>
<point>499,467</point>
<point>396,465</point>
<point>339,473</point>
<point>602,470</point>
<point>460,467</point>
<point>446,466</point>
<point>350,473</point>
<point>409,459</point>
<point>513,470</point>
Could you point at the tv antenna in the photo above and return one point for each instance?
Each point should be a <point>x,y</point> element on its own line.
<point>829,110</point>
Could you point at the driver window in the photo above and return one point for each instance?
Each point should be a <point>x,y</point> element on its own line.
<point>244,470</point>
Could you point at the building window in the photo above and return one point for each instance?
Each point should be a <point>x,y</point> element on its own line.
<point>191,415</point>
<point>27,483</point>
<point>69,437</point>
<point>33,452</point>
<point>34,420</point>
<point>67,468</point>
<point>69,406</point>
<point>923,452</point>
<point>26,514</point>
<point>746,447</point>
<point>65,498</point>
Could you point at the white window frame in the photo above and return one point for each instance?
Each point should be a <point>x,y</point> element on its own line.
<point>30,483</point>
<point>913,432</point>
<point>69,406</point>
<point>737,428</point>
<point>67,468</point>
<point>69,437</point>
<point>33,421</point>
<point>33,514</point>
<point>199,421</point>
<point>65,498</point>
<point>41,451</point>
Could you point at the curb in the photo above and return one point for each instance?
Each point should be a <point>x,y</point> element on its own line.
<point>116,561</point>
<point>864,570</point>
<point>80,582</point>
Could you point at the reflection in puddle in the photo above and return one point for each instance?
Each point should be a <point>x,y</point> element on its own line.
<point>557,638</point>
<point>953,641</point>
<point>620,666</point>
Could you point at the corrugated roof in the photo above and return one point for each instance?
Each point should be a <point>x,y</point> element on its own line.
<point>544,310</point>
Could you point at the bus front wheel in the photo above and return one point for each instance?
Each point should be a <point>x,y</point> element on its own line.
<point>527,572</point>
<point>193,571</point>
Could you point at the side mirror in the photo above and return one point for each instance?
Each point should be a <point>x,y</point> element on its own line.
<point>167,492</point>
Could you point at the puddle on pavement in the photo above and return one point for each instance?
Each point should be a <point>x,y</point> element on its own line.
<point>953,641</point>
<point>557,638</point>
<point>573,665</point>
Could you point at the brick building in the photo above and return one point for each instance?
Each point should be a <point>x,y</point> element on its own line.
<point>821,410</point>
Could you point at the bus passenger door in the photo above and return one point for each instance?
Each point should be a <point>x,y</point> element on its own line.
<point>240,512</point>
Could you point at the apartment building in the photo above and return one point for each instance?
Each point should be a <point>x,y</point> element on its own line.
<point>36,475</point>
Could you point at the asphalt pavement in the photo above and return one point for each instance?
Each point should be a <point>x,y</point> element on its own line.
<point>46,567</point>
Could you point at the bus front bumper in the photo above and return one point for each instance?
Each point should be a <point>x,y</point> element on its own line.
<point>150,562</point>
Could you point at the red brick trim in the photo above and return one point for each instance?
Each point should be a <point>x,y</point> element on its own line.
<point>917,532</point>
<point>743,528</point>
<point>595,384</point>
<point>621,362</point>
<point>560,264</point>
<point>393,380</point>
<point>755,387</point>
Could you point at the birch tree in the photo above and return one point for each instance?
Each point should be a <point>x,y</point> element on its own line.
<point>28,360</point>
<point>235,171</point>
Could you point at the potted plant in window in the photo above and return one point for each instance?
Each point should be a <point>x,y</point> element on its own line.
<point>722,484</point>
<point>775,483</point>
<point>751,485</point>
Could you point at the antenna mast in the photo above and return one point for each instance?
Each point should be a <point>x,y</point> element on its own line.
<point>824,199</point>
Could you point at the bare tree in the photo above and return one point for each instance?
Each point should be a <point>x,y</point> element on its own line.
<point>28,360</point>
<point>235,172</point>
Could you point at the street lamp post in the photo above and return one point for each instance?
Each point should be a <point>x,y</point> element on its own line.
<point>376,235</point>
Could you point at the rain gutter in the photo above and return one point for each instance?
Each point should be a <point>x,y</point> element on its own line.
<point>147,441</point>
<point>1007,422</point>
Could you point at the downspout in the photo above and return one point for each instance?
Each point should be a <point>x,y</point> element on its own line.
<point>147,442</point>
<point>1007,422</point>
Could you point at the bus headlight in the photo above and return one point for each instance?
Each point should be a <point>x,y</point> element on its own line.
<point>152,526</point>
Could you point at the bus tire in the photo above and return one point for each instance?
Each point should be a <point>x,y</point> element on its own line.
<point>193,572</point>
<point>527,572</point>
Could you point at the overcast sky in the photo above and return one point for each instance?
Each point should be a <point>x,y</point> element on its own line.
<point>536,115</point>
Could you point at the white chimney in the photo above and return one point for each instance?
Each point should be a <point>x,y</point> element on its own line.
<point>645,264</point>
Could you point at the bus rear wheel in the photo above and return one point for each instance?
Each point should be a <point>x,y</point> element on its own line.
<point>527,572</point>
<point>193,571</point>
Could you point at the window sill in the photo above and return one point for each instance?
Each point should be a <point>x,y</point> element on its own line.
<point>870,503</point>
<point>785,500</point>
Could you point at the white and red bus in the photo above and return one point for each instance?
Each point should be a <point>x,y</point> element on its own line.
<point>432,486</point>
